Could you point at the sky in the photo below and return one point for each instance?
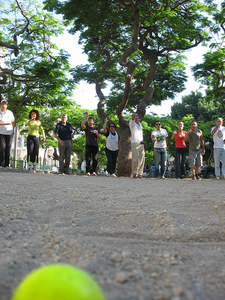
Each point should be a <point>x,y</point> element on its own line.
<point>85,94</point>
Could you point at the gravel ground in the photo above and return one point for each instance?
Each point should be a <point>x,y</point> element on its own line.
<point>139,238</point>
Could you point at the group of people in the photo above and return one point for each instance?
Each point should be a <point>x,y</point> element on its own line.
<point>7,125</point>
<point>196,149</point>
<point>64,134</point>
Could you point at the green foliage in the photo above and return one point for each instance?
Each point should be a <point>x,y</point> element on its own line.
<point>202,108</point>
<point>37,72</point>
<point>211,71</point>
<point>167,29</point>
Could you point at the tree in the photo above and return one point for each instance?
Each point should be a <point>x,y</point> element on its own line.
<point>201,108</point>
<point>138,47</point>
<point>35,72</point>
<point>211,71</point>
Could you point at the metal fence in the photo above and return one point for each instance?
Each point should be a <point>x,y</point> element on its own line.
<point>22,165</point>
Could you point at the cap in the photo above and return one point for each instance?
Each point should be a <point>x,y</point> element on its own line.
<point>3,100</point>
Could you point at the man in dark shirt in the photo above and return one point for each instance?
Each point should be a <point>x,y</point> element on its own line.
<point>92,133</point>
<point>63,133</point>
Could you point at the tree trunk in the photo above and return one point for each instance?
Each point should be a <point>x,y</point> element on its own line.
<point>124,159</point>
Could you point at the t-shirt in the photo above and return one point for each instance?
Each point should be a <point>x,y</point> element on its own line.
<point>136,132</point>
<point>160,138</point>
<point>180,143</point>
<point>64,131</point>
<point>112,141</point>
<point>195,141</point>
<point>218,137</point>
<point>91,137</point>
<point>6,117</point>
<point>34,127</point>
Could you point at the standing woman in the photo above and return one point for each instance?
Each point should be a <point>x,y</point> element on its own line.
<point>181,150</point>
<point>34,126</point>
<point>112,147</point>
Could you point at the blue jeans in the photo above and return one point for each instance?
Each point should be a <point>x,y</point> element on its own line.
<point>160,161</point>
<point>219,154</point>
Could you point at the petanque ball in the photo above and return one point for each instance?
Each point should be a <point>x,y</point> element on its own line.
<point>58,282</point>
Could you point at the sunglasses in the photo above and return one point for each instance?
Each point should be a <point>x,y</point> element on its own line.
<point>158,124</point>
<point>111,126</point>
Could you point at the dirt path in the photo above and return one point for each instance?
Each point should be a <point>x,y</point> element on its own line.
<point>139,238</point>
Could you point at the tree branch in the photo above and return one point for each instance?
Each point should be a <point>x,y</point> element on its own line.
<point>125,62</point>
<point>102,99</point>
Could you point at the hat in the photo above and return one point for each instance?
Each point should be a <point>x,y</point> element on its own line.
<point>3,100</point>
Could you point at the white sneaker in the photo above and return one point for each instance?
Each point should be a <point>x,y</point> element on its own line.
<point>108,175</point>
<point>218,177</point>
<point>7,167</point>
<point>113,175</point>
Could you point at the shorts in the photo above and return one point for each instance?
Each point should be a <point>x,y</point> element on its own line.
<point>195,158</point>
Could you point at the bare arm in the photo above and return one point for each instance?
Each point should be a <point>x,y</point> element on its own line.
<point>57,137</point>
<point>104,126</point>
<point>203,145</point>
<point>98,134</point>
<point>214,130</point>
<point>174,134</point>
<point>2,123</point>
<point>187,135</point>
<point>153,138</point>
<point>84,120</point>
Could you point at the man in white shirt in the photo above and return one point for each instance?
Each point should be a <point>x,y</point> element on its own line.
<point>218,133</point>
<point>137,146</point>
<point>159,138</point>
<point>7,123</point>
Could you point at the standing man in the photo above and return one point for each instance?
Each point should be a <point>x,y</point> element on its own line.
<point>6,133</point>
<point>159,138</point>
<point>218,133</point>
<point>63,133</point>
<point>195,151</point>
<point>92,134</point>
<point>137,146</point>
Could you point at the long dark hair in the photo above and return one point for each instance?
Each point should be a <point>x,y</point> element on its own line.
<point>36,112</point>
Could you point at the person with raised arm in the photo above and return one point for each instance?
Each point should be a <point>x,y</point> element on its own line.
<point>112,147</point>
<point>92,134</point>
<point>137,146</point>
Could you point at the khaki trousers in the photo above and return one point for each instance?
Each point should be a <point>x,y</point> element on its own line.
<point>138,158</point>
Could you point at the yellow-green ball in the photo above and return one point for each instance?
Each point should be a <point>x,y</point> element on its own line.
<point>58,282</point>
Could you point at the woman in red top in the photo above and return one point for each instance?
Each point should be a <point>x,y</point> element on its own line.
<point>181,150</point>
